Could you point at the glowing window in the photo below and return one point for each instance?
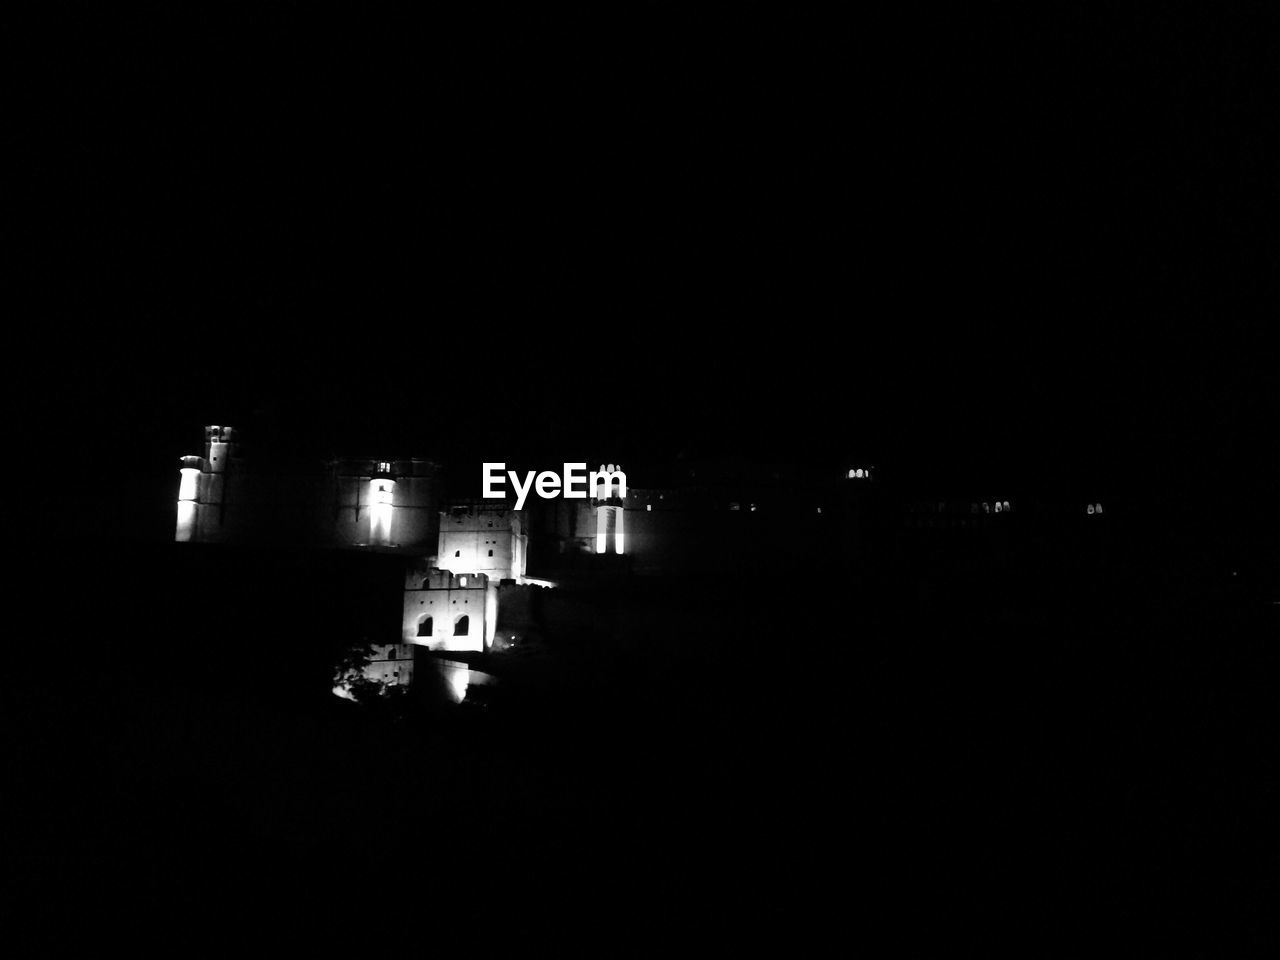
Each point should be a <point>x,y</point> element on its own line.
<point>424,627</point>
<point>462,581</point>
<point>462,626</point>
<point>1089,509</point>
<point>1098,508</point>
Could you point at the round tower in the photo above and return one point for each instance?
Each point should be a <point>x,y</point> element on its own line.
<point>188,497</point>
<point>382,489</point>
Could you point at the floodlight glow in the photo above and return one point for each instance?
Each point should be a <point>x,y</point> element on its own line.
<point>490,617</point>
<point>457,679</point>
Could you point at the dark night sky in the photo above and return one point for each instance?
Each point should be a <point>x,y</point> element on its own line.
<point>990,240</point>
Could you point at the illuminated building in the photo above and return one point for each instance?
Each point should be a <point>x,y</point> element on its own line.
<point>202,489</point>
<point>482,537</point>
<point>462,566</point>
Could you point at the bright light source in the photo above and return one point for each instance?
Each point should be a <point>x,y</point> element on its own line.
<point>458,679</point>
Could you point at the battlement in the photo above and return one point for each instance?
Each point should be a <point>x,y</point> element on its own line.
<point>474,515</point>
<point>424,577</point>
<point>369,468</point>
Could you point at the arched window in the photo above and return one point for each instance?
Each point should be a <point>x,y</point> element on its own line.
<point>391,652</point>
<point>426,584</point>
<point>424,627</point>
<point>1097,508</point>
<point>999,507</point>
<point>457,553</point>
<point>491,553</point>
<point>1089,509</point>
<point>462,626</point>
